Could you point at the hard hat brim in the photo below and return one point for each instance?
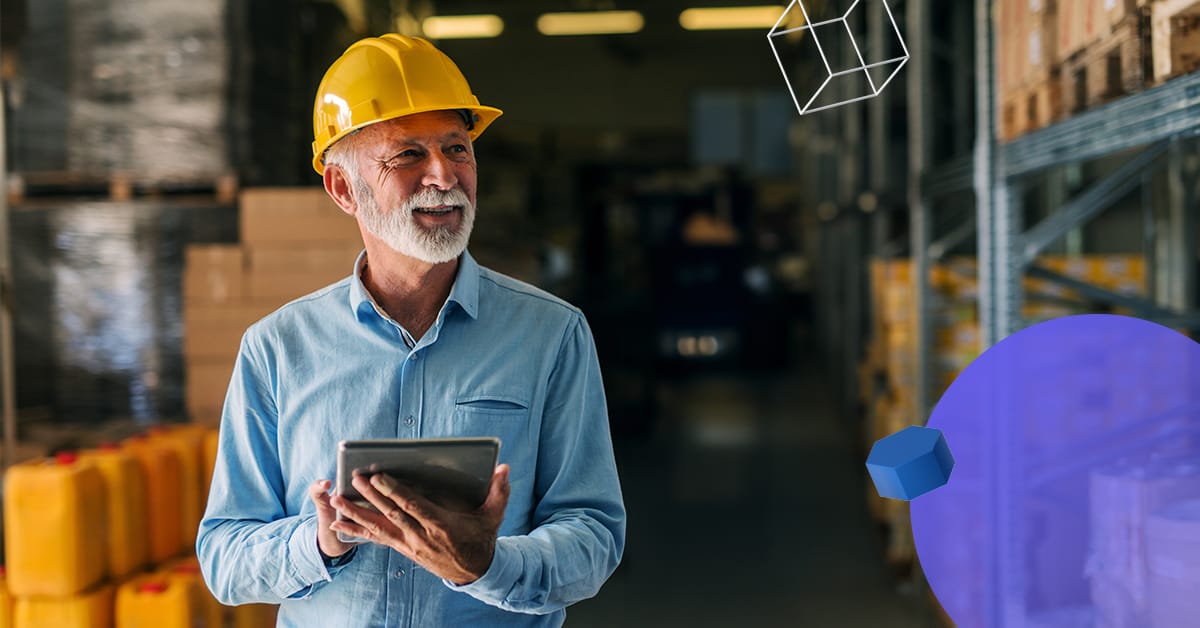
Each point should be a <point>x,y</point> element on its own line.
<point>485,116</point>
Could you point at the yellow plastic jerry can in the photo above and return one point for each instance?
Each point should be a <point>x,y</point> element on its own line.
<point>125,486</point>
<point>154,602</point>
<point>255,615</point>
<point>188,445</point>
<point>207,612</point>
<point>161,472</point>
<point>55,526</point>
<point>91,609</point>
<point>6,602</point>
<point>211,439</point>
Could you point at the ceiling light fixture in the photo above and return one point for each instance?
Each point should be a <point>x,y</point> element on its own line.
<point>462,26</point>
<point>590,23</point>
<point>728,18</point>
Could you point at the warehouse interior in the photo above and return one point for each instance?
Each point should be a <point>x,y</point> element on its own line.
<point>771,292</point>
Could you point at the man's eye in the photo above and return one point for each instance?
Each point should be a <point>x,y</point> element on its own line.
<point>458,148</point>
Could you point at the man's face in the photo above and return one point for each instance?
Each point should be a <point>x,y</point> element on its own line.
<point>416,185</point>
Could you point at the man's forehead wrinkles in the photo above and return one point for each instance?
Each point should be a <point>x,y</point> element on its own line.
<point>396,138</point>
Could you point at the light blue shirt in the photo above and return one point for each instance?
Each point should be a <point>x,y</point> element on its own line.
<point>503,359</point>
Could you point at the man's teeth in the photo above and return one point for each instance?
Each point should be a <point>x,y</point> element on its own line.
<point>436,212</point>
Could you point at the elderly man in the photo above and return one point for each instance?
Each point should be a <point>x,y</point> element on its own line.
<point>420,341</point>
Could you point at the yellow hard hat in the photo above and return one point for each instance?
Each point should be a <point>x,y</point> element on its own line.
<point>380,78</point>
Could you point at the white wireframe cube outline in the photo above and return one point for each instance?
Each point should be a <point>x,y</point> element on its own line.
<point>863,67</point>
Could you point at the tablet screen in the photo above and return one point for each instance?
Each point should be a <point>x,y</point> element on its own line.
<point>454,473</point>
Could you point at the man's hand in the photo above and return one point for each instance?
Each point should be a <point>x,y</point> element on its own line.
<point>452,545</point>
<point>327,539</point>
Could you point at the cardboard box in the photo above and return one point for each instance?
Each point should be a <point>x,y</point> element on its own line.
<point>1010,29</point>
<point>213,273</point>
<point>206,385</point>
<point>897,303</point>
<point>290,215</point>
<point>281,287</point>
<point>1041,42</point>
<point>282,258</point>
<point>1079,25</point>
<point>1029,40</point>
<point>212,332</point>
<point>1115,11</point>
<point>1174,37</point>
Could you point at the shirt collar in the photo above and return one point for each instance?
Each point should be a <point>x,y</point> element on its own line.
<point>464,292</point>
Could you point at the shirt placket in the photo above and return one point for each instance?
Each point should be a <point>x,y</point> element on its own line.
<point>408,422</point>
<point>400,581</point>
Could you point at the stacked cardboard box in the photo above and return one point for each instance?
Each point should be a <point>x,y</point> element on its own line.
<point>956,341</point>
<point>1104,46</point>
<point>1081,22</point>
<point>293,241</point>
<point>1175,37</point>
<point>215,314</point>
<point>891,359</point>
<point>1057,57</point>
<point>1123,274</point>
<point>1027,55</point>
<point>887,374</point>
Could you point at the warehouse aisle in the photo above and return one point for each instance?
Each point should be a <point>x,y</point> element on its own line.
<point>746,508</point>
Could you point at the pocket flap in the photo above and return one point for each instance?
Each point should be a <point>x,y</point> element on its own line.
<point>492,402</point>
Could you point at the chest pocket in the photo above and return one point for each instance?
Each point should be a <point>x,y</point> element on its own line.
<point>505,417</point>
<point>495,406</point>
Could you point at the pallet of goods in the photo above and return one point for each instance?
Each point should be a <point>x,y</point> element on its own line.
<point>1027,63</point>
<point>1104,49</point>
<point>1174,38</point>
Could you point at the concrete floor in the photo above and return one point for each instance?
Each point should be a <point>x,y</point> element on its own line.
<point>746,509</point>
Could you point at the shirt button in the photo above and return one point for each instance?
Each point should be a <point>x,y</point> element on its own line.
<point>399,573</point>
<point>409,421</point>
<point>416,356</point>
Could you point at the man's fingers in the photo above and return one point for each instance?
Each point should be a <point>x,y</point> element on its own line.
<point>348,527</point>
<point>414,505</point>
<point>498,492</point>
<point>393,505</point>
<point>319,492</point>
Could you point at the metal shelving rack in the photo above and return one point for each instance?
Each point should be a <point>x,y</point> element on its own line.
<point>1157,127</point>
<point>1158,121</point>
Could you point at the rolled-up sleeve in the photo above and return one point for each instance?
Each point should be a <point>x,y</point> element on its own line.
<point>250,549</point>
<point>579,533</point>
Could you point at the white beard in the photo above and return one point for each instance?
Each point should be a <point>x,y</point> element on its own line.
<point>399,229</point>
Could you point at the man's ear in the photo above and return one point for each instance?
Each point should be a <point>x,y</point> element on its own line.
<point>337,185</point>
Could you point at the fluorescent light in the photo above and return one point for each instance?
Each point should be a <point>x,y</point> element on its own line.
<point>724,18</point>
<point>462,26</point>
<point>590,23</point>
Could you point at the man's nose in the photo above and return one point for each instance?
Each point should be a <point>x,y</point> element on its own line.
<point>439,173</point>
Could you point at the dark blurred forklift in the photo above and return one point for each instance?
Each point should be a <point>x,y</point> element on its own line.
<point>673,282</point>
<point>716,305</point>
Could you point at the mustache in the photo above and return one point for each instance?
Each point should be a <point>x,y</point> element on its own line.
<point>432,197</point>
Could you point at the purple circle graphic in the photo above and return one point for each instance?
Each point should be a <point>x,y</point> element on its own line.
<point>1075,497</point>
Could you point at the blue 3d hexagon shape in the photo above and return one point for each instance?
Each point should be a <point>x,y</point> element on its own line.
<point>910,463</point>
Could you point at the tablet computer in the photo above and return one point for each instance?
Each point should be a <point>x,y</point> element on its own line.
<point>454,473</point>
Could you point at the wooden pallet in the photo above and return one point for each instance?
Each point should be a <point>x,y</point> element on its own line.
<point>1030,107</point>
<point>1113,66</point>
<point>115,187</point>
